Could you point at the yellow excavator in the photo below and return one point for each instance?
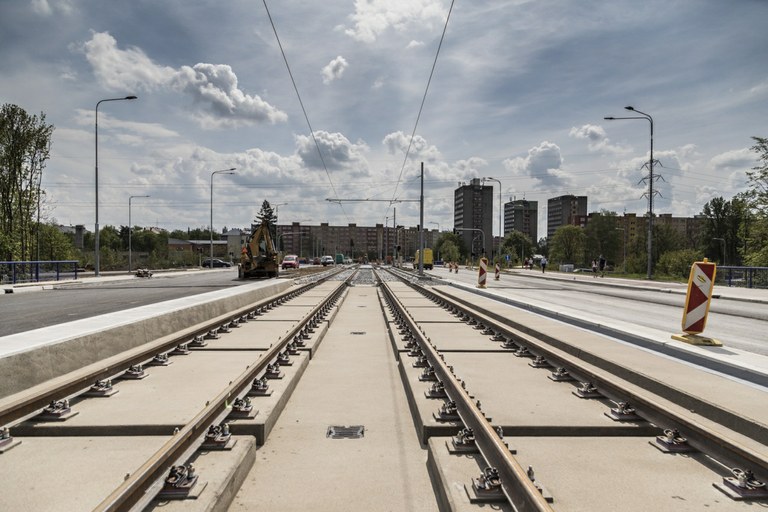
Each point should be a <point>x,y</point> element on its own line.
<point>258,259</point>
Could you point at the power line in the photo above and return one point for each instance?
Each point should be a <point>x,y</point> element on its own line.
<point>306,117</point>
<point>423,99</point>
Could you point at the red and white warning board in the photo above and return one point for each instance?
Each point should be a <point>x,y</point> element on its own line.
<point>700,285</point>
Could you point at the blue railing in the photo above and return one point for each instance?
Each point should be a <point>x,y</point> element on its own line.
<point>15,272</point>
<point>745,277</point>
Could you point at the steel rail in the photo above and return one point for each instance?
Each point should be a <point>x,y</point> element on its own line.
<point>518,488</point>
<point>13,409</point>
<point>651,405</point>
<point>133,489</point>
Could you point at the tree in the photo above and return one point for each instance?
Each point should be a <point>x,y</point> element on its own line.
<point>602,237</point>
<point>567,245</point>
<point>455,240</point>
<point>268,214</point>
<point>722,232</point>
<point>25,143</point>
<point>518,245</point>
<point>449,251</point>
<point>758,176</point>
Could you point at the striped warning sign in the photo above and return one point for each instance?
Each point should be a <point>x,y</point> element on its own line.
<point>483,273</point>
<point>700,285</point>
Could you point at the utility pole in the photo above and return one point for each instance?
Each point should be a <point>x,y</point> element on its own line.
<point>421,224</point>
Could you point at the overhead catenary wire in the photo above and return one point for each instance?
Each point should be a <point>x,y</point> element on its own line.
<point>304,110</point>
<point>423,99</point>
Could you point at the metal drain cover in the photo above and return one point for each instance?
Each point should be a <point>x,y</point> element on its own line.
<point>343,432</point>
<point>357,333</point>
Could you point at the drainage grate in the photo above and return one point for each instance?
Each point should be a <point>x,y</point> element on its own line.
<point>343,432</point>
<point>357,333</point>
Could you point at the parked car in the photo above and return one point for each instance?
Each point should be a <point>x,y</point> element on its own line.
<point>326,260</point>
<point>290,261</point>
<point>316,261</point>
<point>216,263</point>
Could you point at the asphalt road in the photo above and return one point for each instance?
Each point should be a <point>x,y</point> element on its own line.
<point>20,312</point>
<point>739,324</point>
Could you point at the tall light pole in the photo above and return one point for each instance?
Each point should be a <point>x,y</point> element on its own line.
<point>130,229</point>
<point>231,170</point>
<point>501,227</point>
<point>648,118</point>
<point>96,132</point>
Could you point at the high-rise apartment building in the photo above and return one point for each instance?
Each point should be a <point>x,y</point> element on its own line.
<point>564,211</point>
<point>521,215</point>
<point>473,216</point>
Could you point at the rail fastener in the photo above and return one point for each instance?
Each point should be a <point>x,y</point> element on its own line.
<point>57,410</point>
<point>561,375</point>
<point>242,409</point>
<point>260,387</point>
<point>447,412</point>
<point>101,389</point>
<point>743,486</point>
<point>134,372</point>
<point>181,484</point>
<point>436,390</point>
<point>539,362</point>
<point>6,440</point>
<point>623,411</point>
<point>672,442</point>
<point>587,390</point>
<point>218,438</point>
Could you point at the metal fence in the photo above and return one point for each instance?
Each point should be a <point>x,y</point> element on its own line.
<point>745,277</point>
<point>16,272</point>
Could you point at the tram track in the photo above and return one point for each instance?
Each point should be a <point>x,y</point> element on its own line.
<point>459,359</point>
<point>732,440</point>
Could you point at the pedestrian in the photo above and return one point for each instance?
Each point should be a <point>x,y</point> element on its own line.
<point>601,263</point>
<point>543,264</point>
<point>594,268</point>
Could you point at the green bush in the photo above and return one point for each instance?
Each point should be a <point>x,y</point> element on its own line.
<point>678,263</point>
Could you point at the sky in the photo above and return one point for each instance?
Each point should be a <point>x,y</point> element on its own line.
<point>518,92</point>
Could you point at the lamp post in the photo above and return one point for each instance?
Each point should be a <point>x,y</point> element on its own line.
<point>648,118</point>
<point>501,227</point>
<point>130,229</point>
<point>231,170</point>
<point>96,133</point>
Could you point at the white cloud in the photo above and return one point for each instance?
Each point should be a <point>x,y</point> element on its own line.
<point>597,139</point>
<point>338,152</point>
<point>47,8</point>
<point>374,17</point>
<point>213,87</point>
<point>735,159</point>
<point>414,44</point>
<point>397,142</point>
<point>543,164</point>
<point>334,69</point>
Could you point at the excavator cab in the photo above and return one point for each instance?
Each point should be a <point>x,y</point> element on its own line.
<point>258,258</point>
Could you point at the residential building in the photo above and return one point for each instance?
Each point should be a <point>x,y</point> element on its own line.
<point>565,211</point>
<point>522,215</point>
<point>473,216</point>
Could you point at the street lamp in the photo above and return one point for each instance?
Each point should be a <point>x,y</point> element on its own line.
<point>130,229</point>
<point>231,170</point>
<point>96,132</point>
<point>648,118</point>
<point>501,228</point>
